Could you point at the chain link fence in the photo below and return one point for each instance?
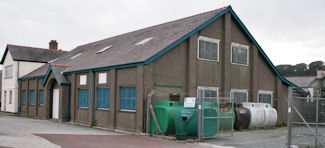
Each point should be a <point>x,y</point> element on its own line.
<point>306,124</point>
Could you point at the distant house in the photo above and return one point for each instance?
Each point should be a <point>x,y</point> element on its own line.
<point>18,61</point>
<point>106,83</point>
<point>315,85</point>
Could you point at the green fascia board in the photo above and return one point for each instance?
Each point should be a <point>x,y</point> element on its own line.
<point>48,74</point>
<point>169,85</point>
<point>31,78</point>
<point>234,15</point>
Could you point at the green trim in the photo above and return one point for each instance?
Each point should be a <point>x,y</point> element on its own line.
<point>168,85</point>
<point>30,78</point>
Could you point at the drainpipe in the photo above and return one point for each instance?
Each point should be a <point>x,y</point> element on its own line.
<point>93,102</point>
<point>18,88</point>
<point>68,104</point>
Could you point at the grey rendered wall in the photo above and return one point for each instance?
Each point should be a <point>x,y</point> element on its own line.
<point>181,66</point>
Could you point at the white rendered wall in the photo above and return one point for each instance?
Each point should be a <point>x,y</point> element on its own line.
<point>12,83</point>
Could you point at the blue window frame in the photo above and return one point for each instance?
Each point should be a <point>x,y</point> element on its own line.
<point>23,97</point>
<point>41,97</point>
<point>32,97</point>
<point>83,97</point>
<point>103,98</point>
<point>127,98</point>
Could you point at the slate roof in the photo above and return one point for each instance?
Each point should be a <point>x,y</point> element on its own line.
<point>305,81</point>
<point>124,49</point>
<point>31,54</point>
<point>125,53</point>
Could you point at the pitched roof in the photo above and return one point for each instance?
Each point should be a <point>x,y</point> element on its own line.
<point>123,48</point>
<point>31,54</point>
<point>126,51</point>
<point>304,81</point>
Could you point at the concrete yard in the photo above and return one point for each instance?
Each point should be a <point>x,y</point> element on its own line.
<point>18,132</point>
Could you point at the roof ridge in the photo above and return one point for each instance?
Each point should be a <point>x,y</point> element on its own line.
<point>39,48</point>
<point>158,25</point>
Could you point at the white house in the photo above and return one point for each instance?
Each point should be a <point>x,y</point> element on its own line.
<point>18,61</point>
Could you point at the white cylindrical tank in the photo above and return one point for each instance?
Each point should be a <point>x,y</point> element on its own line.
<point>257,114</point>
<point>271,116</point>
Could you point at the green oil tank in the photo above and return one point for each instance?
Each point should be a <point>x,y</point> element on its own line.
<point>186,122</point>
<point>165,113</point>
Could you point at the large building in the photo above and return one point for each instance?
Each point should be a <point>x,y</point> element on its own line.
<point>18,61</point>
<point>315,85</point>
<point>106,83</point>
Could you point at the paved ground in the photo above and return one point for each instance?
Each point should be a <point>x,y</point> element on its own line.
<point>20,132</point>
<point>269,138</point>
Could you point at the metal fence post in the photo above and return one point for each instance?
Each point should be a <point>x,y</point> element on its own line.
<point>316,132</point>
<point>289,116</point>
<point>199,136</point>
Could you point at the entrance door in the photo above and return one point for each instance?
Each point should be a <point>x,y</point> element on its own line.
<point>55,107</point>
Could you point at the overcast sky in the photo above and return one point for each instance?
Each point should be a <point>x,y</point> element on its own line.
<point>289,31</point>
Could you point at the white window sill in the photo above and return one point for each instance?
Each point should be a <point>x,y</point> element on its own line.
<point>104,109</point>
<point>83,107</point>
<point>125,110</point>
<point>239,64</point>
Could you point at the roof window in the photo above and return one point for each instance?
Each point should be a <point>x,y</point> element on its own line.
<point>144,41</point>
<point>53,60</point>
<point>77,55</point>
<point>104,49</point>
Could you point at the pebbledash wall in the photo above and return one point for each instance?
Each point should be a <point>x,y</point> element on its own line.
<point>179,66</point>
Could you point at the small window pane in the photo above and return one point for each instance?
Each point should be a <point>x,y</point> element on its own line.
<point>8,72</point>
<point>239,55</point>
<point>208,50</point>
<point>41,97</point>
<point>83,97</point>
<point>23,100</point>
<point>240,97</point>
<point>103,98</point>
<point>32,97</point>
<point>265,98</point>
<point>127,98</point>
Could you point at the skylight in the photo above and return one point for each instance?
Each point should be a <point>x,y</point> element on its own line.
<point>77,55</point>
<point>144,41</point>
<point>104,49</point>
<point>53,60</point>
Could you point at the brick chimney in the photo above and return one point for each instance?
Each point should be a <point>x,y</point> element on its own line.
<point>53,45</point>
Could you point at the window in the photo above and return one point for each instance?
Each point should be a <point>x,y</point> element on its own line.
<point>41,97</point>
<point>127,98</point>
<point>103,98</point>
<point>208,49</point>
<point>10,97</point>
<point>83,80</point>
<point>75,56</point>
<point>207,93</point>
<point>8,70</point>
<point>239,95</point>
<point>83,97</point>
<point>104,49</point>
<point>265,97</point>
<point>23,97</point>
<point>144,41</point>
<point>102,78</point>
<point>239,54</point>
<point>32,97</point>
